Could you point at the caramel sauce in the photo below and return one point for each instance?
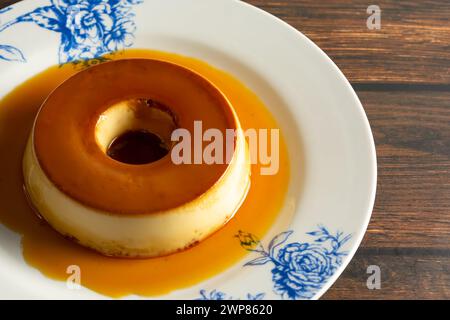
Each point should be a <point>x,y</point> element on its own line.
<point>45,250</point>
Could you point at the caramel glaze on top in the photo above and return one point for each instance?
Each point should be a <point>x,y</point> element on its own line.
<point>65,145</point>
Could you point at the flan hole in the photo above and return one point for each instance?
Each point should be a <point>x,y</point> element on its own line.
<point>136,131</point>
<point>137,147</point>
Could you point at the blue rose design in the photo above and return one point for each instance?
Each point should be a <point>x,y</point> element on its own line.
<point>88,21</point>
<point>121,36</point>
<point>302,270</point>
<point>299,269</point>
<point>88,28</point>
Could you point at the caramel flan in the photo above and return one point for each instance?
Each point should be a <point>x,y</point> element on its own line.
<point>129,209</point>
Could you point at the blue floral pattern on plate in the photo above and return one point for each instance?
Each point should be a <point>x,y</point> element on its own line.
<point>88,28</point>
<point>7,52</point>
<point>219,295</point>
<point>299,270</point>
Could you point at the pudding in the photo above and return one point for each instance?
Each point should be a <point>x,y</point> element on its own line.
<point>126,208</point>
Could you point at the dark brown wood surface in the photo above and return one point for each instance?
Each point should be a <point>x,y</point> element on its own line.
<point>402,75</point>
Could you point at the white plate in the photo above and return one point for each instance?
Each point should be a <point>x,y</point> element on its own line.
<point>331,147</point>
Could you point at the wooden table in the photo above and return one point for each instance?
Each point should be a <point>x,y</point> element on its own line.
<point>402,76</point>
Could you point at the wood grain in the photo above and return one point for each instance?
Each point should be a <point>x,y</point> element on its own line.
<point>411,47</point>
<point>409,234</point>
<point>402,76</point>
<point>412,135</point>
<point>405,274</point>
